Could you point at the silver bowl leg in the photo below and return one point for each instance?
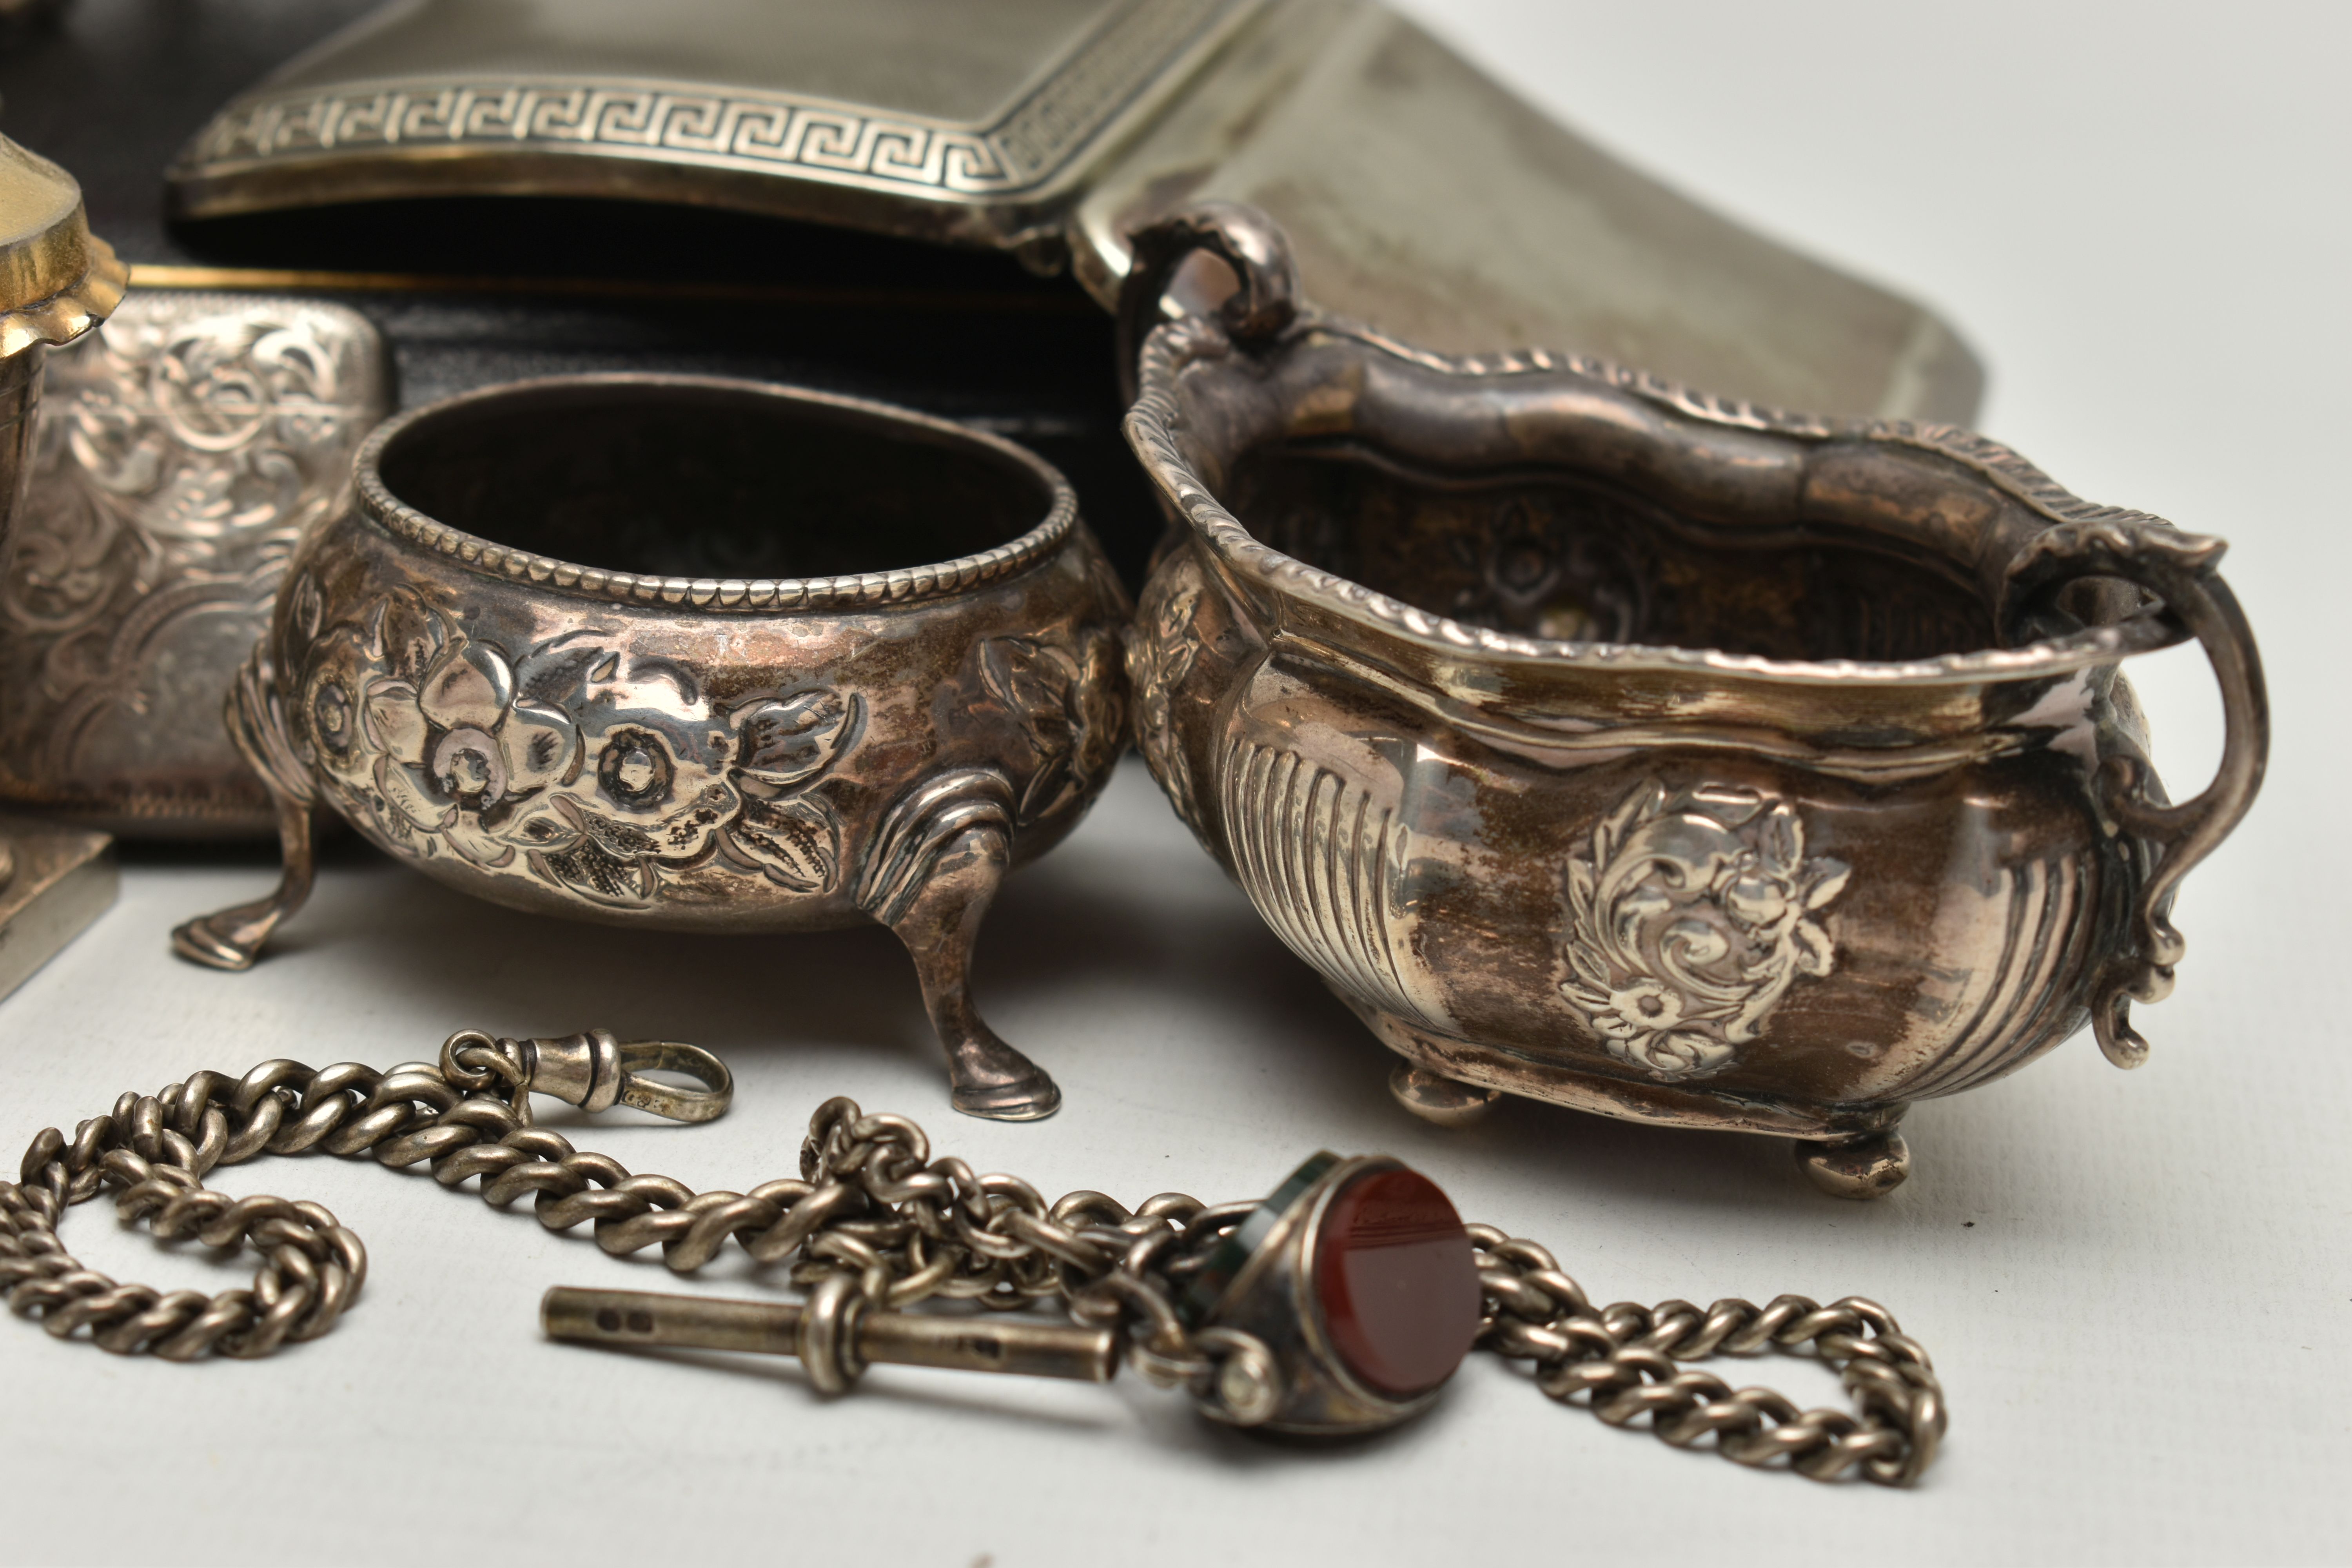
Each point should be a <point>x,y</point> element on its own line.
<point>231,937</point>
<point>940,924</point>
<point>1869,1166</point>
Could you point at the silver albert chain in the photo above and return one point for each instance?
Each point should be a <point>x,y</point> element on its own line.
<point>1340,1304</point>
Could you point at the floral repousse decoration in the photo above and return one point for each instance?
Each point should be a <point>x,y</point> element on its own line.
<point>559,764</point>
<point>1688,919</point>
<point>1069,701</point>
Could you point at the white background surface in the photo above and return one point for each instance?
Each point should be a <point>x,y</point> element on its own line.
<point>2136,1286</point>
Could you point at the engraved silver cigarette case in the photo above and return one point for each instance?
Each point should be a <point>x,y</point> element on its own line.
<point>181,450</point>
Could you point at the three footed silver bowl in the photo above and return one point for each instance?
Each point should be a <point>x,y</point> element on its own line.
<point>1665,757</point>
<point>702,654</point>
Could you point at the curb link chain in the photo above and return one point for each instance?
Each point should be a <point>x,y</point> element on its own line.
<point>872,1221</point>
<point>1622,1358</point>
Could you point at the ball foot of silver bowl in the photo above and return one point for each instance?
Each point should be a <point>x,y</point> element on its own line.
<point>1433,1097</point>
<point>1870,1167</point>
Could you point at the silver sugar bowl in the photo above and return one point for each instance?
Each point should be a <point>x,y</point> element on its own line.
<point>1604,742</point>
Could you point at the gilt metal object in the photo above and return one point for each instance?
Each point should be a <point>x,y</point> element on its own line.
<point>697,654</point>
<point>1340,1304</point>
<point>182,451</point>
<point>56,281</point>
<point>1659,755</point>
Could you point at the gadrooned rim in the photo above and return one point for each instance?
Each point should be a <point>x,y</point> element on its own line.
<point>1150,431</point>
<point>724,594</point>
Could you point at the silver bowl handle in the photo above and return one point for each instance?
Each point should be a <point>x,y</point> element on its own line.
<point>2181,570</point>
<point>1244,238</point>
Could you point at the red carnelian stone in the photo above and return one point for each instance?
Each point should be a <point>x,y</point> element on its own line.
<point>1399,1289</point>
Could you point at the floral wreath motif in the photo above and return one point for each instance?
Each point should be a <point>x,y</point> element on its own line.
<point>1689,918</point>
<point>560,764</point>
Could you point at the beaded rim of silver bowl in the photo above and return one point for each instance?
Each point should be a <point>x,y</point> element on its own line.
<point>1153,420</point>
<point>723,594</point>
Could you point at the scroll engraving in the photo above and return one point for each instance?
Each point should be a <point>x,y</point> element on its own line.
<point>1689,916</point>
<point>184,448</point>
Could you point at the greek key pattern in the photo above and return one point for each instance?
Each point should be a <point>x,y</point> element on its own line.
<point>751,130</point>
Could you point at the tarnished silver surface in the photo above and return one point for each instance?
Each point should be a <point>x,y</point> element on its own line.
<point>643,1318</point>
<point>947,121</point>
<point>1423,195</point>
<point>874,1226</point>
<point>181,450</point>
<point>1650,754</point>
<point>928,692</point>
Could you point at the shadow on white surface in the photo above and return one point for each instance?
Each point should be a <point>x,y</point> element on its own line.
<point>2135,1284</point>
